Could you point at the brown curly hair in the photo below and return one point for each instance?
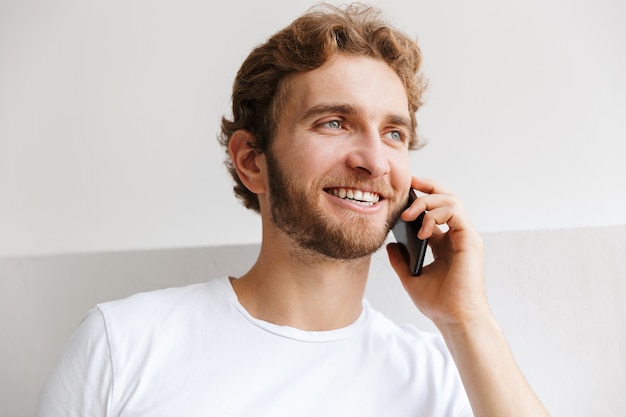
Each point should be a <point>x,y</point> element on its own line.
<point>304,45</point>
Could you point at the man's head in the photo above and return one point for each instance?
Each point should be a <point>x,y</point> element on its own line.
<point>259,93</point>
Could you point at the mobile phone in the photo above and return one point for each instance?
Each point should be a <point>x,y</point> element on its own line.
<point>413,248</point>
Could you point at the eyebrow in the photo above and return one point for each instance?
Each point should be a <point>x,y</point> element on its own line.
<point>348,109</point>
<point>322,109</point>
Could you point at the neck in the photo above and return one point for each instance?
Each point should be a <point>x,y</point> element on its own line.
<point>285,287</point>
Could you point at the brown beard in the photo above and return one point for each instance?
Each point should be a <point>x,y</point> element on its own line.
<point>296,212</point>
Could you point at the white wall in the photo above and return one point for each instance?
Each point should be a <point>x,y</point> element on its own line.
<point>109,113</point>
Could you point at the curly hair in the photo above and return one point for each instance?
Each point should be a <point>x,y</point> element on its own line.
<point>307,43</point>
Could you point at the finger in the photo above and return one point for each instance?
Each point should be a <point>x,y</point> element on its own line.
<point>410,284</point>
<point>450,216</point>
<point>431,202</point>
<point>428,186</point>
<point>439,210</point>
<point>438,244</point>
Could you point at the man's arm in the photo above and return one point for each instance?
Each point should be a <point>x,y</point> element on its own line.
<point>451,292</point>
<point>492,380</point>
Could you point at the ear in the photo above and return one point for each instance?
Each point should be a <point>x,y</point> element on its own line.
<point>249,163</point>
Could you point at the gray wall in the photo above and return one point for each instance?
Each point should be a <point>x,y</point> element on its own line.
<point>559,296</point>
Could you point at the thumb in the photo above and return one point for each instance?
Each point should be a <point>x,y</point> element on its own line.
<point>397,261</point>
<point>412,285</point>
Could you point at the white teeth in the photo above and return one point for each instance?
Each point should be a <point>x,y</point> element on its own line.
<point>357,196</point>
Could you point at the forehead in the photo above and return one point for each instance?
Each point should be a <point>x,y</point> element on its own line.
<point>361,82</point>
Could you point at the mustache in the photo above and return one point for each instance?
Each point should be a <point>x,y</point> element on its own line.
<point>377,186</point>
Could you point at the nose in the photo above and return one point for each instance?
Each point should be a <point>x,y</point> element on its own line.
<point>368,154</point>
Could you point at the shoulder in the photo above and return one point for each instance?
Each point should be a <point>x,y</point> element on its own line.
<point>160,311</point>
<point>382,326</point>
<point>423,349</point>
<point>421,357</point>
<point>162,301</point>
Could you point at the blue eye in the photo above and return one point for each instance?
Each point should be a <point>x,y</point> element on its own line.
<point>395,135</point>
<point>333,124</point>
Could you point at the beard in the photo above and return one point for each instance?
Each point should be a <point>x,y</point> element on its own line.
<point>296,212</point>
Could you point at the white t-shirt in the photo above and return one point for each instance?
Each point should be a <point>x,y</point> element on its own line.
<point>195,351</point>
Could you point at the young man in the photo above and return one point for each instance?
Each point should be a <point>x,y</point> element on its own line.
<point>323,119</point>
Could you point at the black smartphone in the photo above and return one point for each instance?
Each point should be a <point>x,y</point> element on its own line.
<point>413,249</point>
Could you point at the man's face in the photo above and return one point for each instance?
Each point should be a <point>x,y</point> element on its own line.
<point>338,169</point>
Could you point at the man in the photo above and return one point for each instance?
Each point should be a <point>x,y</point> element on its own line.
<point>323,119</point>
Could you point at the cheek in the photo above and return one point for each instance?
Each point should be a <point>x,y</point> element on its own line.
<point>311,161</point>
<point>401,172</point>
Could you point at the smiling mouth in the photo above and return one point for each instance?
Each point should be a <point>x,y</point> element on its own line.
<point>365,198</point>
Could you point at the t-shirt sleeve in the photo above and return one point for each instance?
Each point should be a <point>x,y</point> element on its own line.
<point>81,380</point>
<point>466,411</point>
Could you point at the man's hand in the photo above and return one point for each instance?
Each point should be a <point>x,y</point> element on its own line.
<point>451,292</point>
<point>451,289</point>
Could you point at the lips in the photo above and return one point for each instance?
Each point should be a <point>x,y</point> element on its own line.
<point>365,198</point>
